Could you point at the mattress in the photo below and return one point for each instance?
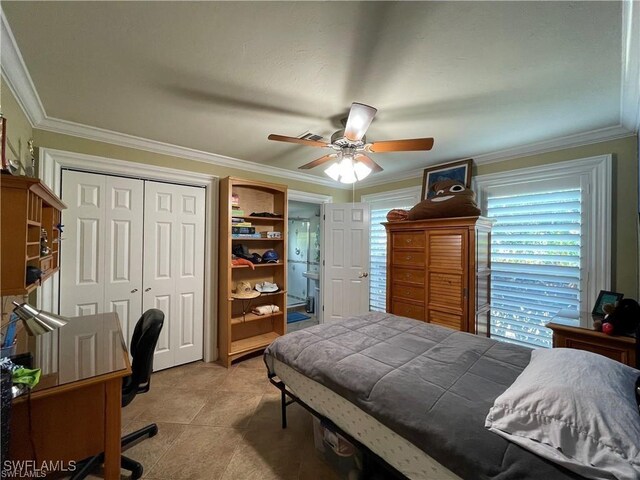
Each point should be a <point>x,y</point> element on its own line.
<point>381,440</point>
<point>431,385</point>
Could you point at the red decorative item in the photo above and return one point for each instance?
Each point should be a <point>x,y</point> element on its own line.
<point>607,328</point>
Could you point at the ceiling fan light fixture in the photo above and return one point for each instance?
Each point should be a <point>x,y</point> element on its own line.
<point>334,171</point>
<point>361,170</point>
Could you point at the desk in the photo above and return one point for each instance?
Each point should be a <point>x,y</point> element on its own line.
<point>576,330</point>
<point>76,407</point>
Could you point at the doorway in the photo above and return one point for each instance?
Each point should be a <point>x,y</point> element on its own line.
<point>303,264</point>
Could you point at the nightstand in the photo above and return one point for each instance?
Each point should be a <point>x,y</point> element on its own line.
<point>575,330</point>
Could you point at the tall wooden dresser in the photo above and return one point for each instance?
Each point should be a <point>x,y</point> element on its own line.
<point>439,271</point>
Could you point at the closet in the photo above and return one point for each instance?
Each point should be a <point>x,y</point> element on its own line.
<point>130,245</point>
<point>439,271</point>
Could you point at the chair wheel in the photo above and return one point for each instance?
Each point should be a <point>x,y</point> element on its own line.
<point>136,473</point>
<point>154,431</point>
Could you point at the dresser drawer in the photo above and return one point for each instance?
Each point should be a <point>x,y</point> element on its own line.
<point>408,240</point>
<point>408,258</point>
<point>46,264</point>
<point>408,310</point>
<point>408,275</point>
<point>406,291</point>
<point>446,320</point>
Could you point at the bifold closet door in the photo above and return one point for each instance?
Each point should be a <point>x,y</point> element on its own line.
<point>102,248</point>
<point>174,222</point>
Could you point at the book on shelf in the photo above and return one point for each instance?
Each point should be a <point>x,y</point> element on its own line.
<point>242,224</point>
<point>245,235</point>
<point>243,229</point>
<point>236,212</point>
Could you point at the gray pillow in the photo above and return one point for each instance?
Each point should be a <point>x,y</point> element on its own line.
<point>574,408</point>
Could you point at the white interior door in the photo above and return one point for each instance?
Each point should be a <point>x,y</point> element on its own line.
<point>346,259</point>
<point>101,255</point>
<point>174,224</point>
<point>82,251</point>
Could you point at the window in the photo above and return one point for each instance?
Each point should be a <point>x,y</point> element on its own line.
<point>380,205</point>
<point>536,261</point>
<point>550,244</point>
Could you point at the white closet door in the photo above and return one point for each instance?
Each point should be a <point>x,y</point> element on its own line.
<point>174,269</point>
<point>123,251</point>
<point>101,256</point>
<point>82,251</point>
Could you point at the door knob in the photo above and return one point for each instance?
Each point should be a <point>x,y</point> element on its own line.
<point>147,289</point>
<point>134,290</point>
<point>363,275</point>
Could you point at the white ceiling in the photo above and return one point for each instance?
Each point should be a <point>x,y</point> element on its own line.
<point>220,76</point>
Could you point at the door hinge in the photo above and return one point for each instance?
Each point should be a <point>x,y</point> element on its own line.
<point>323,308</point>
<point>324,217</point>
<point>465,292</point>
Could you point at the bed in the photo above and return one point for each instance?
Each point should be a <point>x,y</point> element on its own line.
<point>412,393</point>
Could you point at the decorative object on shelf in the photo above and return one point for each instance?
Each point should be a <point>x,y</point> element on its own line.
<point>244,291</point>
<point>265,309</point>
<point>267,287</point>
<point>242,261</point>
<point>272,235</point>
<point>623,317</point>
<point>266,215</point>
<point>605,297</point>
<point>30,169</point>
<point>33,275</point>
<point>460,171</point>
<point>451,199</point>
<point>44,243</point>
<point>270,256</point>
<point>351,162</point>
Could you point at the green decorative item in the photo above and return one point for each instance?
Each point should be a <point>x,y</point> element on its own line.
<point>26,376</point>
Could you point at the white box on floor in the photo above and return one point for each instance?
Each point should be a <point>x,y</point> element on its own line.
<point>340,454</point>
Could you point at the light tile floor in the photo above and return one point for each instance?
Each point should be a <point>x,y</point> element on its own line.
<point>216,423</point>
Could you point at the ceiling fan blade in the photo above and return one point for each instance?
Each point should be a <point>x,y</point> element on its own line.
<point>401,145</point>
<point>318,161</point>
<point>368,162</point>
<point>360,117</point>
<point>301,141</point>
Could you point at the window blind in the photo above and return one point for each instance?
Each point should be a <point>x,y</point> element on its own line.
<point>536,262</point>
<point>378,253</point>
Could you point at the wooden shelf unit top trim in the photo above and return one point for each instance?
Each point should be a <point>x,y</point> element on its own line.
<point>249,344</point>
<point>37,187</point>
<point>249,239</point>
<point>259,265</point>
<point>33,223</point>
<point>243,182</point>
<point>252,317</point>
<point>440,223</point>
<point>258,219</point>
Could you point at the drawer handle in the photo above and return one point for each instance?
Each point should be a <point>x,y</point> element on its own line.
<point>408,240</point>
<point>407,275</point>
<point>408,257</point>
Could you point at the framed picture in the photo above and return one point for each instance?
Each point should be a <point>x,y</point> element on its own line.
<point>605,297</point>
<point>460,171</point>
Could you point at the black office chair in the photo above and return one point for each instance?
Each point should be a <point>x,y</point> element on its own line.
<point>143,344</point>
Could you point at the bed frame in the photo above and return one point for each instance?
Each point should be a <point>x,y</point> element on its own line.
<point>373,465</point>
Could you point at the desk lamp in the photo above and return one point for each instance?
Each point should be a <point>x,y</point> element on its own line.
<point>37,322</point>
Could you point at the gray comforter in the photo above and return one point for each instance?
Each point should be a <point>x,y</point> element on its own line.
<point>432,385</point>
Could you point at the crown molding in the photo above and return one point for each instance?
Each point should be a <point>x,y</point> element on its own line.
<point>15,73</point>
<point>65,127</point>
<point>538,148</point>
<point>630,76</point>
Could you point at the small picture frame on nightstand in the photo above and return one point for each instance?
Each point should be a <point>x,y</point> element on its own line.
<point>603,298</point>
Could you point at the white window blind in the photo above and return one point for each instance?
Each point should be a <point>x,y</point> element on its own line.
<point>536,259</point>
<point>378,268</point>
<point>381,204</point>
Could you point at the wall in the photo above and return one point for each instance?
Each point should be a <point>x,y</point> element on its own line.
<point>625,199</point>
<point>19,129</point>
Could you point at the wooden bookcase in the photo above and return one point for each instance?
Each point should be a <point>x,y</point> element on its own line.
<point>27,207</point>
<point>239,334</point>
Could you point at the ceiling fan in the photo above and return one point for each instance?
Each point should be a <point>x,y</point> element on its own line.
<point>351,160</point>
